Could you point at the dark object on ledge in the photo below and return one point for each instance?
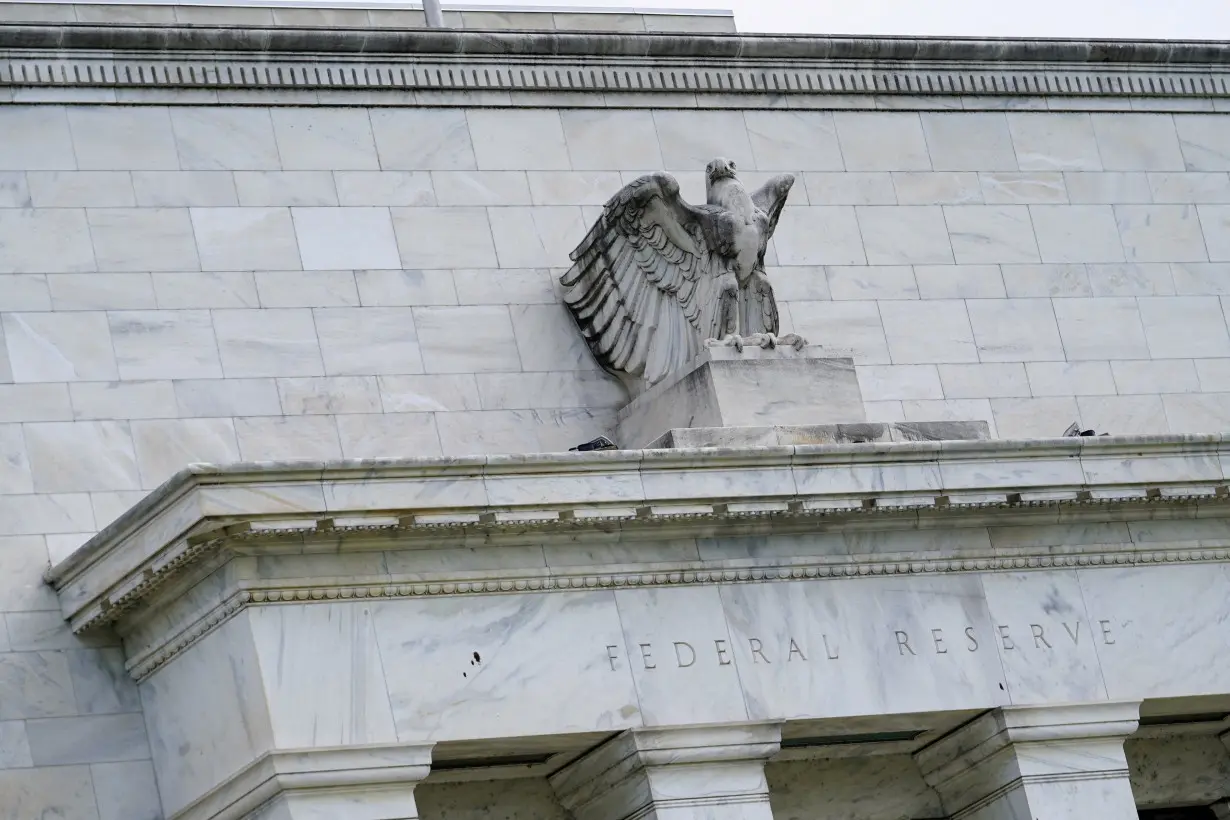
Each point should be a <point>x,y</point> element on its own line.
<point>1074,430</point>
<point>600,443</point>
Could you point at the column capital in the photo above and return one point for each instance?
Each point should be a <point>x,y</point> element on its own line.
<point>1015,747</point>
<point>372,783</point>
<point>645,769</point>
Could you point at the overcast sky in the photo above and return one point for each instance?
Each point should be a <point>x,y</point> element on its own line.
<point>1152,19</point>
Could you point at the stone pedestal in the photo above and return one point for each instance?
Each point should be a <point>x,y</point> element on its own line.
<point>1048,763</point>
<point>725,388</point>
<point>712,773</point>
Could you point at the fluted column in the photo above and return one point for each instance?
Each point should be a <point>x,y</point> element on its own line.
<point>1040,763</point>
<point>707,773</point>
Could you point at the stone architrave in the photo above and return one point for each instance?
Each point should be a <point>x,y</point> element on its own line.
<point>657,279</point>
<point>1052,762</point>
<point>712,772</point>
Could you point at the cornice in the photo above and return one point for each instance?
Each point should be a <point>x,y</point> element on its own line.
<point>458,42</point>
<point>471,492</point>
<point>285,64</point>
<point>207,512</point>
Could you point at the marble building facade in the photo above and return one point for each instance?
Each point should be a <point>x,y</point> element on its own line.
<point>287,242</point>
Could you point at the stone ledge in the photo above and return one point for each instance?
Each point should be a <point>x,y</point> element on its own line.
<point>859,433</point>
<point>474,468</point>
<point>270,40</point>
<point>494,501</point>
<point>303,66</point>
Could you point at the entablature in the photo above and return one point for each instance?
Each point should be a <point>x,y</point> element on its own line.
<point>851,510</point>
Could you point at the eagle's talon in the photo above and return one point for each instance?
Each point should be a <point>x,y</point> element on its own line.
<point>765,341</point>
<point>793,340</point>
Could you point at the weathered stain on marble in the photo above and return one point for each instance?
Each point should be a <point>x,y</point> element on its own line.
<point>870,646</point>
<point>1178,770</point>
<point>1162,632</point>
<point>1046,638</point>
<point>530,664</point>
<point>207,714</point>
<point>667,632</point>
<point>323,675</point>
<point>522,799</point>
<point>884,787</point>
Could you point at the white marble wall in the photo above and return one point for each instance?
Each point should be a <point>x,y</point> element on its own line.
<point>210,284</point>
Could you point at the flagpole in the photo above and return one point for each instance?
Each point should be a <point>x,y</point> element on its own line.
<point>435,17</point>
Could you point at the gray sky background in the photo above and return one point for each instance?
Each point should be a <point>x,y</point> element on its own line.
<point>1137,19</point>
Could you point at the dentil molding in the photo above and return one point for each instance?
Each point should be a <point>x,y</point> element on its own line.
<point>218,64</point>
<point>219,519</point>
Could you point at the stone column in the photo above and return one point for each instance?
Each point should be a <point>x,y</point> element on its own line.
<point>705,773</point>
<point>1042,763</point>
<point>354,784</point>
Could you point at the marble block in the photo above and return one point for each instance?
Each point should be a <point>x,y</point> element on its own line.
<point>723,387</point>
<point>862,433</point>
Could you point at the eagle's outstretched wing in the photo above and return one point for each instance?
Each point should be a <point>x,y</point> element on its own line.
<point>643,288</point>
<point>771,198</point>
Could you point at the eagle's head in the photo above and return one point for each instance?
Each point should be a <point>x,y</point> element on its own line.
<point>720,169</point>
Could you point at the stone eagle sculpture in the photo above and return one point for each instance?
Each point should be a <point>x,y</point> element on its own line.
<point>657,279</point>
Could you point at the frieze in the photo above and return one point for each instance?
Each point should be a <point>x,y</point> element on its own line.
<point>146,660</point>
<point>652,656</point>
